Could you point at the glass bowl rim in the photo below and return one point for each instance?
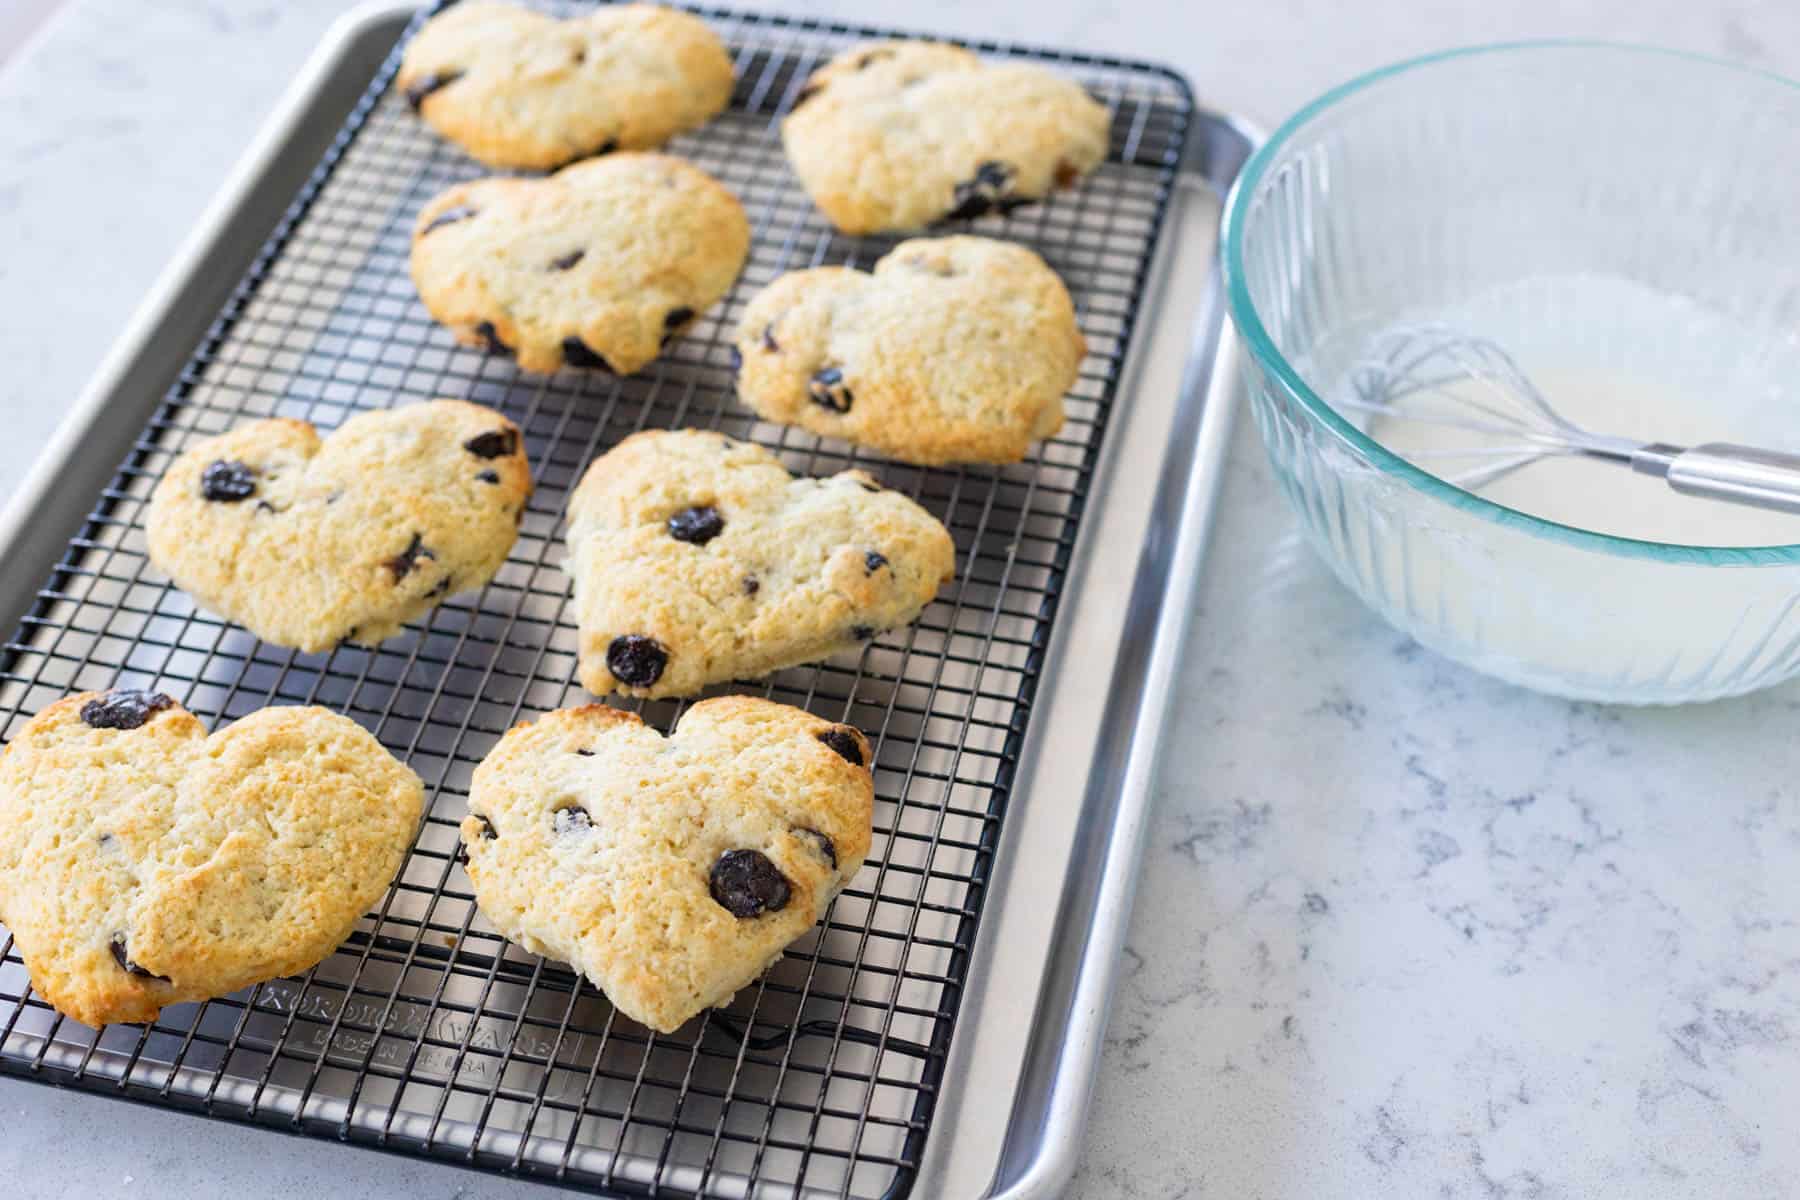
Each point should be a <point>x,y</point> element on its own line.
<point>1264,351</point>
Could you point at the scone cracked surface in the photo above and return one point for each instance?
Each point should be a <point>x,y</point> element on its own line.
<point>698,559</point>
<point>143,863</point>
<point>518,89</point>
<point>599,265</point>
<point>894,136</point>
<point>669,871</point>
<point>954,349</point>
<point>309,542</point>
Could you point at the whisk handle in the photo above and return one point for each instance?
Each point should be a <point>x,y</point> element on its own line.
<point>1722,471</point>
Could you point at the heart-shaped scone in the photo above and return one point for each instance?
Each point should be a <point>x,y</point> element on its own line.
<point>309,543</point>
<point>519,89</point>
<point>898,135</point>
<point>143,863</point>
<point>954,349</point>
<point>599,265</point>
<point>699,559</point>
<point>669,871</point>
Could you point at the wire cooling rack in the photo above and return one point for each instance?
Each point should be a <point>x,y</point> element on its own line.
<point>428,1033</point>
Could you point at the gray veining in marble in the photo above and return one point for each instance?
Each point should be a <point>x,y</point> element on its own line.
<point>1402,931</point>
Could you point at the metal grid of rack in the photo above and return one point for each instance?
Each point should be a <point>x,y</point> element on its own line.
<point>426,1032</point>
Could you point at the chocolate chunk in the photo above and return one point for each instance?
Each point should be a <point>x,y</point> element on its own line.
<point>768,339</point>
<point>675,318</point>
<point>427,84</point>
<point>698,525</point>
<point>636,660</point>
<point>124,709</point>
<point>488,832</point>
<point>862,633</point>
<point>568,260</point>
<point>984,193</point>
<point>488,476</point>
<point>449,216</point>
<point>228,481</point>
<point>491,336</point>
<point>584,752</point>
<point>577,353</point>
<point>746,884</point>
<point>263,506</point>
<point>573,819</point>
<point>1065,174</point>
<point>843,739</point>
<point>495,443</point>
<point>820,842</point>
<point>403,563</point>
<point>751,585</point>
<point>828,390</point>
<point>125,964</point>
<point>874,561</point>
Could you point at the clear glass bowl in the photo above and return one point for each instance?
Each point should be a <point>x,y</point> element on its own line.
<point>1416,188</point>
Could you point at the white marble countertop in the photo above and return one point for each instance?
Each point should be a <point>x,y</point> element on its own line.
<point>1401,931</point>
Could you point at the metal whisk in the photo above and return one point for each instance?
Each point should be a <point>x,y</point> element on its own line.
<point>1439,375</point>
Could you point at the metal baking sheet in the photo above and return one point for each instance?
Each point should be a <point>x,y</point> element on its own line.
<point>1016,723</point>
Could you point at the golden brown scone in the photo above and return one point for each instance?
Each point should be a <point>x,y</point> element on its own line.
<point>599,265</point>
<point>669,871</point>
<point>698,559</point>
<point>954,349</point>
<point>308,542</point>
<point>893,136</point>
<point>143,864</point>
<point>518,89</point>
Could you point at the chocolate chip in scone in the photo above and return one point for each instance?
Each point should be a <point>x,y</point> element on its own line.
<point>125,964</point>
<point>228,481</point>
<point>488,832</point>
<point>403,563</point>
<point>495,443</point>
<point>636,660</point>
<point>573,819</point>
<point>862,633</point>
<point>449,216</point>
<point>427,84</point>
<point>827,389</point>
<point>873,561</point>
<point>1066,173</point>
<point>125,708</point>
<point>491,337</point>
<point>675,318</point>
<point>584,752</point>
<point>984,193</point>
<point>751,585</point>
<point>844,741</point>
<point>578,353</point>
<point>263,506</point>
<point>697,525</point>
<point>487,476</point>
<point>820,842</point>
<point>564,262</point>
<point>768,339</point>
<point>746,884</point>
